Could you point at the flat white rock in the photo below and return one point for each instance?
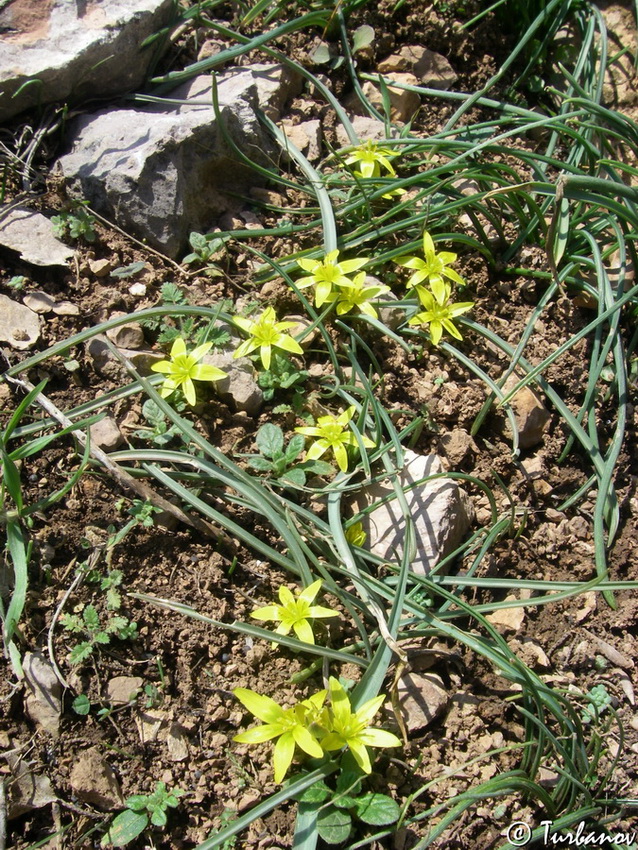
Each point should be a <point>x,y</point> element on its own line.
<point>31,235</point>
<point>440,509</point>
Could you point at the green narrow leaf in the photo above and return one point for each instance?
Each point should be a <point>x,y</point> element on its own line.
<point>562,230</point>
<point>125,828</point>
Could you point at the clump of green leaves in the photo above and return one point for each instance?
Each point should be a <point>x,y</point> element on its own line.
<point>283,374</point>
<point>207,248</point>
<point>278,460</point>
<point>17,282</point>
<point>161,432</point>
<point>599,700</point>
<point>338,808</point>
<point>142,810</point>
<point>95,631</point>
<point>76,222</point>
<point>186,327</point>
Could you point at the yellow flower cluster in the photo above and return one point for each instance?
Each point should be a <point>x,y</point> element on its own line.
<point>313,727</point>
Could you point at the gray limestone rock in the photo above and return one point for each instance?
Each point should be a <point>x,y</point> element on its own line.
<point>43,697</point>
<point>239,387</point>
<point>440,509</point>
<point>19,326</point>
<point>53,50</point>
<point>161,172</point>
<point>94,781</point>
<point>106,435</point>
<point>31,235</point>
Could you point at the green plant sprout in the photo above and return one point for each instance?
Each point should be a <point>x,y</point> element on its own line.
<point>283,374</point>
<point>338,807</point>
<point>183,368</point>
<point>295,611</point>
<point>95,631</point>
<point>439,312</point>
<point>160,433</point>
<point>332,432</point>
<point>75,222</point>
<point>206,248</point>
<point>357,296</point>
<point>266,333</point>
<point>599,700</point>
<point>291,726</point>
<point>279,460</point>
<point>325,274</point>
<point>141,809</point>
<point>433,269</point>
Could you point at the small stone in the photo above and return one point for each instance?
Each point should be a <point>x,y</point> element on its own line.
<point>66,308</point>
<point>534,467</point>
<point>393,63</point>
<point>440,509</point>
<point>391,316</point>
<point>432,70</point>
<point>39,302</point>
<point>301,324</point>
<point>138,290</point>
<point>509,619</point>
<point>422,697</point>
<point>100,268</point>
<point>403,103</point>
<point>177,743</point>
<point>19,326</point>
<point>305,136</point>
<point>149,724</point>
<point>239,386</point>
<point>458,446</point>
<point>31,234</point>
<point>94,781</point>
<point>106,435</point>
<point>532,418</point>
<point>366,128</point>
<point>44,692</point>
<point>123,689</point>
<point>129,335</point>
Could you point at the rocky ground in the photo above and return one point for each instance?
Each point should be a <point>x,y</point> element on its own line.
<point>160,704</point>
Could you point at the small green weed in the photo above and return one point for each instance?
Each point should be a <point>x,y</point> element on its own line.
<point>142,810</point>
<point>76,222</point>
<point>340,807</point>
<point>282,375</point>
<point>206,249</point>
<point>278,460</point>
<point>96,631</point>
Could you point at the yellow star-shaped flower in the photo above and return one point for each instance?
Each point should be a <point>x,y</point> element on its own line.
<point>183,368</point>
<point>439,312</point>
<point>294,612</point>
<point>433,269</point>
<point>266,333</point>
<point>332,433</point>
<point>352,729</point>
<point>289,725</point>
<point>327,274</point>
